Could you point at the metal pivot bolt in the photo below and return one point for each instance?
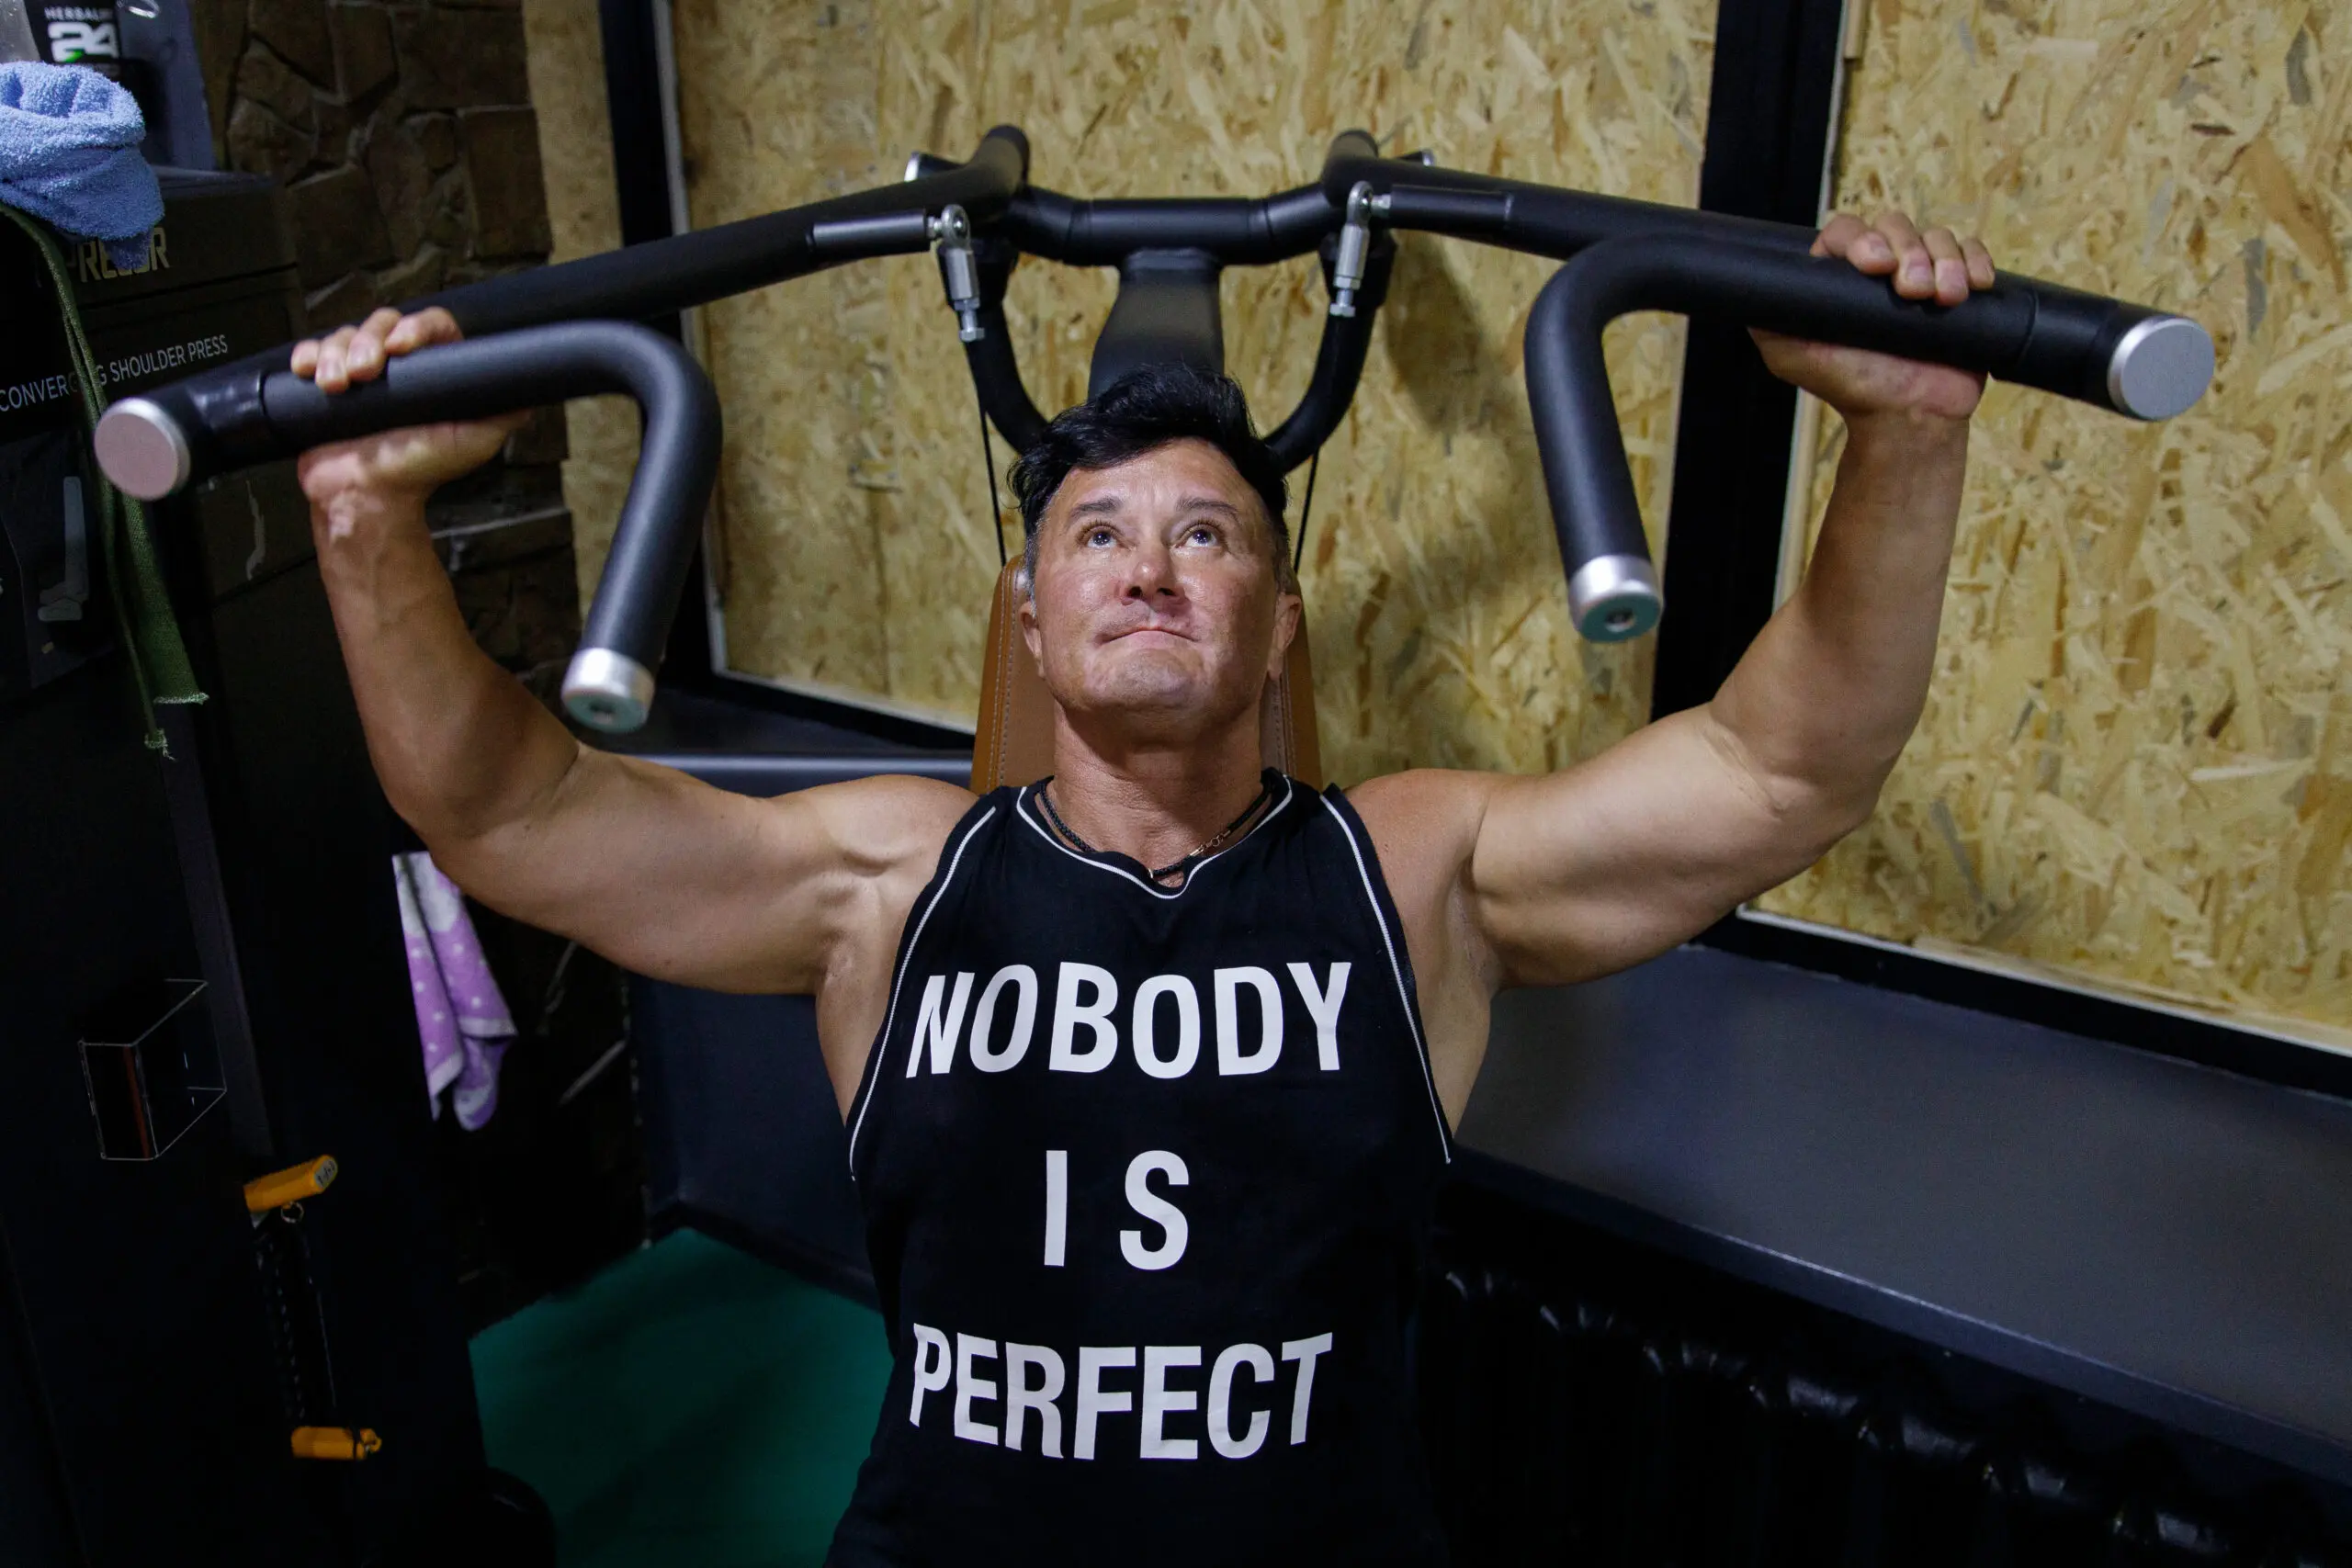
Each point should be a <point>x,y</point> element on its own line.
<point>952,232</point>
<point>1355,246</point>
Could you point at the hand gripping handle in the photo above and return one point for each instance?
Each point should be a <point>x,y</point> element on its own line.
<point>154,445</point>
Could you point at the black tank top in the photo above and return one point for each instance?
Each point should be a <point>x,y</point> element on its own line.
<point>1147,1177</point>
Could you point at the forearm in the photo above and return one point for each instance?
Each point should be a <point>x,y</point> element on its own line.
<point>1824,700</point>
<point>462,749</point>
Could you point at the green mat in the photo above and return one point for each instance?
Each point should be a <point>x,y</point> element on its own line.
<point>690,1404</point>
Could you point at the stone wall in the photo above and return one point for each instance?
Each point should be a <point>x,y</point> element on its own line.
<point>406,142</point>
<point>405,137</point>
<point>403,134</point>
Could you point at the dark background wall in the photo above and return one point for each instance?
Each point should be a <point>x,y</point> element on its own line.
<point>410,153</point>
<point>404,137</point>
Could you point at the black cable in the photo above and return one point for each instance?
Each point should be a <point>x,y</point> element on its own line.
<point>987,461</point>
<point>1305,509</point>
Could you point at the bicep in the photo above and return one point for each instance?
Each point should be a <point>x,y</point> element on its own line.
<point>1601,865</point>
<point>679,881</point>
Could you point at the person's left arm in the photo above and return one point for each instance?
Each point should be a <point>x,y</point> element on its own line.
<point>1574,875</point>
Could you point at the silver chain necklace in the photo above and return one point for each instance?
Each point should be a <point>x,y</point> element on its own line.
<point>1180,866</point>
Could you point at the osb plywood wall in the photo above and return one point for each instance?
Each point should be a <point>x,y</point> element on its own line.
<point>567,65</point>
<point>855,505</point>
<point>2136,764</point>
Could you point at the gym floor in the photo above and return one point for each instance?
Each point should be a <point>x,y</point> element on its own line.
<point>688,1404</point>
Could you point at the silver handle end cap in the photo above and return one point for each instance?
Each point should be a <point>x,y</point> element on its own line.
<point>1614,598</point>
<point>606,691</point>
<point>141,449</point>
<point>2160,367</point>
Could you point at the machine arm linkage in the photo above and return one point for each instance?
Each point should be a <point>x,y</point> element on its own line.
<point>983,214</point>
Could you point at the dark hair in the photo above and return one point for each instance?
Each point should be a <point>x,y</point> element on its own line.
<point>1141,412</point>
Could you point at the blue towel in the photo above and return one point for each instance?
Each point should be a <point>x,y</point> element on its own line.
<point>69,155</point>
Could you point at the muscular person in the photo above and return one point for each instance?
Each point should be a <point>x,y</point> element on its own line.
<point>1150,1069</point>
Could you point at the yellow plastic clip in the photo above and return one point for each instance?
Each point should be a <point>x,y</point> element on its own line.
<point>293,1184</point>
<point>335,1442</point>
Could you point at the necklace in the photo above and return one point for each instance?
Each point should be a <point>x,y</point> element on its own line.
<point>1175,868</point>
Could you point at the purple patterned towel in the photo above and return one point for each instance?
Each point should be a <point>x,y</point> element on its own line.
<point>461,1012</point>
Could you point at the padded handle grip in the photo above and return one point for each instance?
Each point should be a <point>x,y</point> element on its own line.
<point>2100,350</point>
<point>151,445</point>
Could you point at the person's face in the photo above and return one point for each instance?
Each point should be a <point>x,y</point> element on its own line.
<point>1155,603</point>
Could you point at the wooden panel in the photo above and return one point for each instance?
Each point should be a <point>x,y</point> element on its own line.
<point>2136,764</point>
<point>855,503</point>
<point>567,63</point>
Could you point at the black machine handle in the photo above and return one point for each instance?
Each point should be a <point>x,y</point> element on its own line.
<point>1543,221</point>
<point>2131,360</point>
<point>1628,255</point>
<point>147,446</point>
<point>635,283</point>
<point>230,417</point>
<point>661,276</point>
<point>2126,359</point>
<point>1237,231</point>
<point>1338,363</point>
<point>2096,350</point>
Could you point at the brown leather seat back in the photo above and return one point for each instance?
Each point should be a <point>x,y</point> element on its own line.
<point>1015,742</point>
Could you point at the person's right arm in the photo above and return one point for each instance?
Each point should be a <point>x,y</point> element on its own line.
<point>662,874</point>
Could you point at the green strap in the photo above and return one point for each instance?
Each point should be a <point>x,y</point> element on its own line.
<point>142,609</point>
